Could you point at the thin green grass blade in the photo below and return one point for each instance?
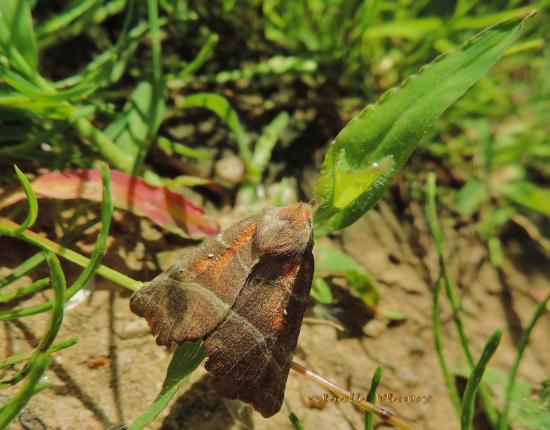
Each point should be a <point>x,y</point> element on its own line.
<point>11,409</point>
<point>23,269</point>
<point>171,147</point>
<point>390,129</point>
<point>90,265</point>
<point>101,241</point>
<point>19,358</point>
<point>529,196</point>
<point>186,359</point>
<point>58,305</point>
<point>17,38</point>
<point>522,344</point>
<point>61,20</point>
<point>32,202</point>
<point>205,51</point>
<point>438,341</point>
<point>23,291</point>
<point>431,215</point>
<point>266,142</point>
<point>371,397</point>
<point>296,423</point>
<point>472,386</point>
<point>221,107</point>
<point>450,291</point>
<point>54,324</point>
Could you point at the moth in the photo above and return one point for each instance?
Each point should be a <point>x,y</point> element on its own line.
<point>244,293</point>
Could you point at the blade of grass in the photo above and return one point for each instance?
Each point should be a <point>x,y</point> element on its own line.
<point>473,384</point>
<point>91,265</point>
<point>54,324</point>
<point>185,360</point>
<point>438,341</point>
<point>431,215</point>
<point>371,397</point>
<point>296,423</point>
<point>522,344</point>
<point>23,268</point>
<point>12,408</point>
<point>32,203</point>
<point>266,142</point>
<point>28,289</point>
<point>450,291</point>
<point>17,38</point>
<point>222,108</point>
<point>205,51</point>
<point>24,356</point>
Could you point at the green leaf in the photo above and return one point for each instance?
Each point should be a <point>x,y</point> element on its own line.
<point>333,262</point>
<point>222,108</point>
<point>472,386</point>
<point>371,397</point>
<point>17,38</point>
<point>139,122</point>
<point>185,360</point>
<point>470,197</point>
<point>19,358</point>
<point>54,324</point>
<point>529,196</point>
<point>390,129</point>
<point>266,142</point>
<point>10,409</point>
<point>296,423</point>
<point>320,291</point>
<point>32,203</point>
<point>205,51</point>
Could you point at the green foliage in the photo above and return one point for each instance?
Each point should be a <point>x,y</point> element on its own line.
<point>536,404</point>
<point>376,144</point>
<point>36,362</point>
<point>468,399</point>
<point>371,397</point>
<point>333,262</point>
<point>184,361</point>
<point>296,423</point>
<point>10,409</point>
<point>450,291</point>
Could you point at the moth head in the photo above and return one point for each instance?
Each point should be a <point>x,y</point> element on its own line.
<point>284,231</point>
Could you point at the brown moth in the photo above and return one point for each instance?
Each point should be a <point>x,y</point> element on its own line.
<point>244,293</point>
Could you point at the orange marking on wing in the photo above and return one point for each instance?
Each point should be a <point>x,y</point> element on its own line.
<point>218,267</point>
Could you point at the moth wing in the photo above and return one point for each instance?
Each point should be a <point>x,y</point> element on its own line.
<point>262,330</point>
<point>190,299</point>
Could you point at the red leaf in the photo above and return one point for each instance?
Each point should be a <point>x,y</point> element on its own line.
<point>165,208</point>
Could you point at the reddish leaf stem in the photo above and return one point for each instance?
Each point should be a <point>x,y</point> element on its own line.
<point>382,413</point>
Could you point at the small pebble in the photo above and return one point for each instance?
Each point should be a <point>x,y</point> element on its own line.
<point>285,312</point>
<point>210,255</point>
<point>418,347</point>
<point>374,328</point>
<point>408,376</point>
<point>134,328</point>
<point>230,169</point>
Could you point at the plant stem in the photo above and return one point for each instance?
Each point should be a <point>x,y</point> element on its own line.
<point>72,256</point>
<point>438,340</point>
<point>523,341</point>
<point>382,413</point>
<point>106,147</point>
<point>474,381</point>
